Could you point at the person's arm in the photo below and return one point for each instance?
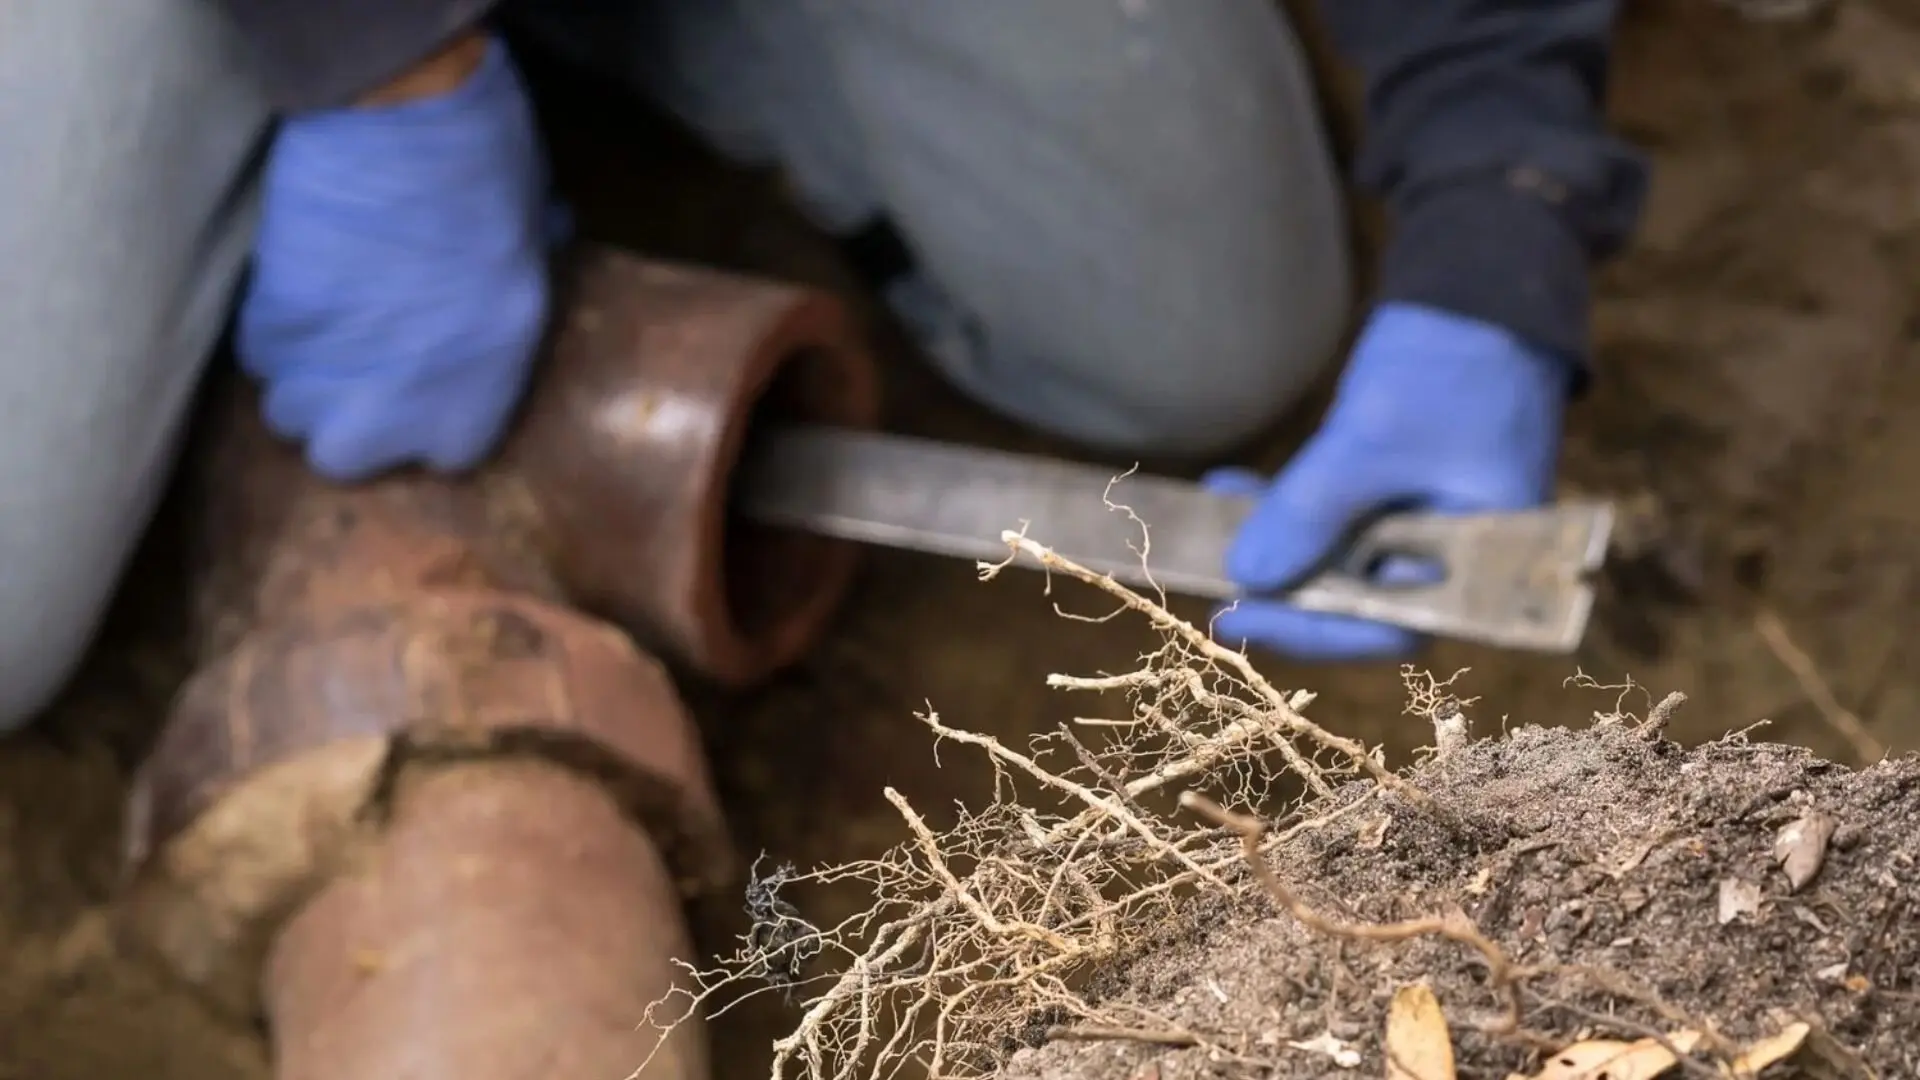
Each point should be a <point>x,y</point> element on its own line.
<point>1485,135</point>
<point>311,55</point>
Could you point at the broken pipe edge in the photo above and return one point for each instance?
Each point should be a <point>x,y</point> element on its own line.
<point>277,771</point>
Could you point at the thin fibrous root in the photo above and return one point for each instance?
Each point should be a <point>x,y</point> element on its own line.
<point>1277,703</point>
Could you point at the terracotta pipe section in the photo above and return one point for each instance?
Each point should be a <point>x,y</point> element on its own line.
<point>657,376</point>
<point>421,807</point>
<point>508,927</point>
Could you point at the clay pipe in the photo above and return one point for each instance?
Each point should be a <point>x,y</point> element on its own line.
<point>511,924</point>
<point>443,830</point>
<point>656,378</point>
<point>414,808</point>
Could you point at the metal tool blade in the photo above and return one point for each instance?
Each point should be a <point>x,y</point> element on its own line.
<point>1516,580</point>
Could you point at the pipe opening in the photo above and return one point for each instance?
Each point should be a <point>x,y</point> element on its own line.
<point>774,575</point>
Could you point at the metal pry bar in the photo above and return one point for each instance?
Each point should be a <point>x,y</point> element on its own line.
<point>1516,580</point>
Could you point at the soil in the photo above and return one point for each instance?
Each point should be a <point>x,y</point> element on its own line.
<point>1761,353</point>
<point>1594,849</point>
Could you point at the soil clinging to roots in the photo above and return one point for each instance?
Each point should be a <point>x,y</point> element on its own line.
<point>1640,880</point>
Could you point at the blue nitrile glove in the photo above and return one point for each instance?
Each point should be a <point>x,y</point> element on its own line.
<point>399,284</point>
<point>1435,411</point>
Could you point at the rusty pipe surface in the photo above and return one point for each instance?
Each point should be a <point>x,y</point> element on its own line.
<point>358,645</point>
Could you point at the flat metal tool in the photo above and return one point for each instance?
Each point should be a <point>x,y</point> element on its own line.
<point>1517,580</point>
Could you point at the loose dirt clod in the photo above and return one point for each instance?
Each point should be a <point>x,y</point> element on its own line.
<point>1596,903</point>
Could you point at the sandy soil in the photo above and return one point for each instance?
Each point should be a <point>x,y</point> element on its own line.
<point>1760,345</point>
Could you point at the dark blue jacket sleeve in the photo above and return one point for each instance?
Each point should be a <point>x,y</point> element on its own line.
<point>1484,132</point>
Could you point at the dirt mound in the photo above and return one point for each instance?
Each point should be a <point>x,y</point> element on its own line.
<point>1637,878</point>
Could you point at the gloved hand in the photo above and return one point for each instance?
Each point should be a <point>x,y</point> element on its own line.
<point>1435,411</point>
<point>399,284</point>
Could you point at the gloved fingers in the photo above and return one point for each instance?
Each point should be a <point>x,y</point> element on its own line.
<point>450,424</point>
<point>1310,635</point>
<point>1305,514</point>
<point>476,413</point>
<point>1235,481</point>
<point>1393,569</point>
<point>438,421</point>
<point>467,407</point>
<point>360,437</point>
<point>293,405</point>
<point>1406,570</point>
<point>468,443</point>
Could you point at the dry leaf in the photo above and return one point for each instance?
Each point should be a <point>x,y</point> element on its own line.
<point>1418,1044</point>
<point>1771,1050</point>
<point>1373,834</point>
<point>1737,898</point>
<point>1801,847</point>
<point>1611,1059</point>
<point>1812,1052</point>
<point>1826,1058</point>
<point>1342,1053</point>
